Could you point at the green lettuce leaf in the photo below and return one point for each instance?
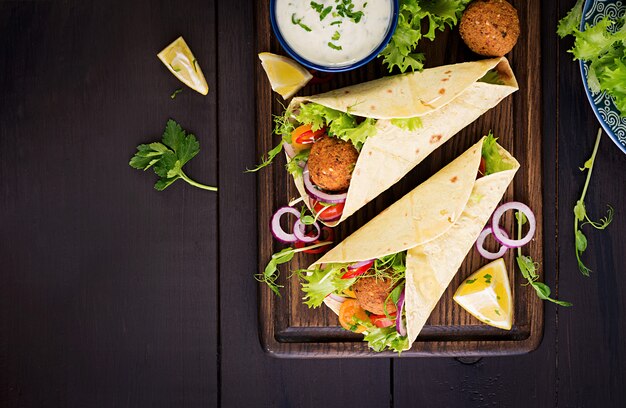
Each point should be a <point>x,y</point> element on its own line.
<point>410,124</point>
<point>493,160</point>
<point>380,339</point>
<point>570,23</point>
<point>321,282</point>
<point>340,124</point>
<point>415,17</point>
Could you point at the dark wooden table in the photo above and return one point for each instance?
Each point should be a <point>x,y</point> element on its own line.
<point>116,295</point>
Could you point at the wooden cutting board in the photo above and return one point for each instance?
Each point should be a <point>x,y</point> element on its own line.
<point>290,329</point>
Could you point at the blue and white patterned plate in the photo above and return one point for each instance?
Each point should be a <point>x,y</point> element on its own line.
<point>604,108</point>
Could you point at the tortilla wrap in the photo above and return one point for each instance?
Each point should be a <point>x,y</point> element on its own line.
<point>437,223</point>
<point>446,99</point>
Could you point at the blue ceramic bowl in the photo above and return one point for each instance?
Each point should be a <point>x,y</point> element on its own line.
<point>343,68</point>
<point>601,103</point>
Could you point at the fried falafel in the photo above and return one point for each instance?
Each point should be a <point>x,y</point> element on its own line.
<point>371,294</point>
<point>490,27</point>
<point>331,162</point>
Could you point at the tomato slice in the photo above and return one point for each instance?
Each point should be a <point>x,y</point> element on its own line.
<point>328,212</point>
<point>327,234</point>
<point>354,272</point>
<point>382,320</point>
<point>349,310</point>
<point>304,135</point>
<point>482,168</point>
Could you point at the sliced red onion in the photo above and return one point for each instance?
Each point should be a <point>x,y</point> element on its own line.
<point>299,230</point>
<point>485,253</point>
<point>497,231</point>
<point>337,298</point>
<point>320,195</point>
<point>276,228</point>
<point>400,326</point>
<point>289,150</point>
<point>357,265</point>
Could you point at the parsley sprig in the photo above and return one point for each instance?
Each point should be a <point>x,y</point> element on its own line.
<point>580,212</point>
<point>168,158</point>
<point>528,267</point>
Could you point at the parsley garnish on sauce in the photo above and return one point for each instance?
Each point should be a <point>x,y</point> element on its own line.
<point>298,21</point>
<point>335,47</point>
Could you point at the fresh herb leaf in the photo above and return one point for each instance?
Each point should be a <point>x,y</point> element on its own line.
<point>168,158</point>
<point>335,47</point>
<point>176,92</point>
<point>298,21</point>
<point>580,212</point>
<point>270,273</point>
<point>283,127</point>
<point>470,281</point>
<point>409,124</point>
<point>345,8</point>
<point>336,22</point>
<point>336,36</point>
<point>325,12</point>
<point>529,268</point>
<point>317,6</point>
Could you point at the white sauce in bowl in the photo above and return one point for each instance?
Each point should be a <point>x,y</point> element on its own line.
<point>335,40</point>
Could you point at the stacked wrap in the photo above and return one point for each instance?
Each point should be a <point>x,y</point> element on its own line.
<point>446,99</point>
<point>437,224</point>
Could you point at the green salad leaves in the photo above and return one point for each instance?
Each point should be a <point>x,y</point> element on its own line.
<point>168,158</point>
<point>602,45</point>
<point>340,124</point>
<point>494,162</point>
<point>417,19</point>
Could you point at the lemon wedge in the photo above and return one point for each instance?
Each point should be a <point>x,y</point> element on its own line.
<point>486,295</point>
<point>179,59</point>
<point>286,76</point>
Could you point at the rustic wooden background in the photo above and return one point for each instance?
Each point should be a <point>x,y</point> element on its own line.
<point>115,295</point>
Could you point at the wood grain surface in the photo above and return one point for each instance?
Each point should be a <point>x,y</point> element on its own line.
<point>290,329</point>
<point>115,295</point>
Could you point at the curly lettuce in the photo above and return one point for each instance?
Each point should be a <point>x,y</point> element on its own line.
<point>494,162</point>
<point>417,19</point>
<point>602,46</point>
<point>340,124</point>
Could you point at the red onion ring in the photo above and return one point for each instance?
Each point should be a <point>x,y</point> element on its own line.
<point>357,265</point>
<point>497,231</point>
<point>289,150</point>
<point>400,326</point>
<point>485,253</point>
<point>277,230</point>
<point>299,231</point>
<point>320,195</point>
<point>337,298</point>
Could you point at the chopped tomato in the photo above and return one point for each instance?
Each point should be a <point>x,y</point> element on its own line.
<point>327,234</point>
<point>482,168</point>
<point>382,320</point>
<point>349,311</point>
<point>354,272</point>
<point>327,212</point>
<point>303,136</point>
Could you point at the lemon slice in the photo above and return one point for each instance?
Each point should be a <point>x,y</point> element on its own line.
<point>486,295</point>
<point>179,59</point>
<point>286,76</point>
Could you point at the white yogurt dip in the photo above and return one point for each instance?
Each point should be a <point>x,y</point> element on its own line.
<point>333,33</point>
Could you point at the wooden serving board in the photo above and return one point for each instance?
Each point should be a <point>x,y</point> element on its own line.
<point>290,329</point>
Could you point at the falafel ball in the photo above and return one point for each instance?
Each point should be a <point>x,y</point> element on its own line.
<point>371,294</point>
<point>331,162</point>
<point>490,27</point>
